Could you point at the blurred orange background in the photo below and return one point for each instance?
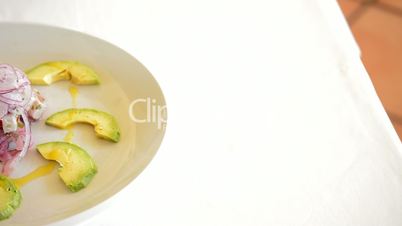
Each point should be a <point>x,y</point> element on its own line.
<point>377,28</point>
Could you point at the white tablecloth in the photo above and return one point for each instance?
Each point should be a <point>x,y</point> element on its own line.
<point>272,118</point>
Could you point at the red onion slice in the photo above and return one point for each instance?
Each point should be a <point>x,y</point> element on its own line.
<point>3,109</point>
<point>27,126</point>
<point>8,77</point>
<point>9,165</point>
<point>15,96</point>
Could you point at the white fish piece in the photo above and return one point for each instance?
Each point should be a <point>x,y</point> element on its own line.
<point>9,123</point>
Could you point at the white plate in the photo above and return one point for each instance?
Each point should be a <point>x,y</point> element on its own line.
<point>123,79</point>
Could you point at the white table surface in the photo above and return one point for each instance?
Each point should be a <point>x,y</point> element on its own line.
<point>272,118</point>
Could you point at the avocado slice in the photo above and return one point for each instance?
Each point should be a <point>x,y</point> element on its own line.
<point>50,72</point>
<point>105,124</point>
<point>10,197</point>
<point>77,168</point>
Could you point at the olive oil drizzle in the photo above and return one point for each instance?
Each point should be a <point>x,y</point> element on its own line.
<point>70,134</point>
<point>73,90</point>
<point>38,172</point>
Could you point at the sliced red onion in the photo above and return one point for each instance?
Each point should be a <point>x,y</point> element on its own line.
<point>14,86</point>
<point>3,109</point>
<point>27,141</point>
<point>15,96</point>
<point>19,97</point>
<point>8,77</point>
<point>13,157</point>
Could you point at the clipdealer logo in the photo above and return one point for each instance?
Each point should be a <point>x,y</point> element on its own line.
<point>154,113</point>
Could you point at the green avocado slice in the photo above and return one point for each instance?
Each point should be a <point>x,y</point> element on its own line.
<point>77,168</point>
<point>105,124</point>
<point>50,72</point>
<point>10,197</point>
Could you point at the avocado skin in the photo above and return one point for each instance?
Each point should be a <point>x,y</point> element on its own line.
<point>82,179</point>
<point>109,131</point>
<point>14,203</point>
